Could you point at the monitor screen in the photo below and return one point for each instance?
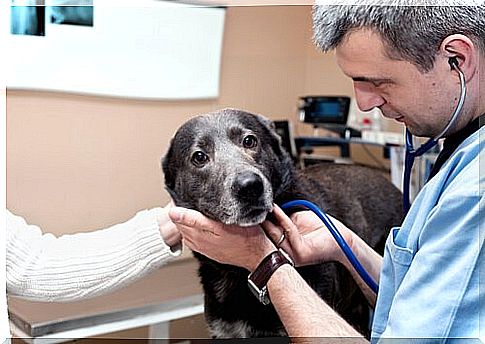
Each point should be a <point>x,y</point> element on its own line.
<point>325,110</point>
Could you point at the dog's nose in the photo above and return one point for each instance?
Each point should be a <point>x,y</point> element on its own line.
<point>249,186</point>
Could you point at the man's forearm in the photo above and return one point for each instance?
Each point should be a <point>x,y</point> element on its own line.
<point>302,311</point>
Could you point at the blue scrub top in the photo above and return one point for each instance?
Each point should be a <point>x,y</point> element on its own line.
<point>430,279</point>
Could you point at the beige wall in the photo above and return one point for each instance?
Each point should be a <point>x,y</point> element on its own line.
<point>79,162</point>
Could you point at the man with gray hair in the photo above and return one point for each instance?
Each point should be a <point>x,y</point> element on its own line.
<point>423,66</point>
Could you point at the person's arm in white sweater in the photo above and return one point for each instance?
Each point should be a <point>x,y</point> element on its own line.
<point>43,267</point>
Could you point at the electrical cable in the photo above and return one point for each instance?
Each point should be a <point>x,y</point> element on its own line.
<point>338,237</point>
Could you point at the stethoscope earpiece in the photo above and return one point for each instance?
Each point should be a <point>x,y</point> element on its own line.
<point>453,61</point>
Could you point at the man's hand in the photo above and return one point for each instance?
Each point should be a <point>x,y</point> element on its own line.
<point>228,244</point>
<point>307,239</point>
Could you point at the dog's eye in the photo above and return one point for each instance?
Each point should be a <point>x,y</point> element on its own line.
<point>199,158</point>
<point>250,141</point>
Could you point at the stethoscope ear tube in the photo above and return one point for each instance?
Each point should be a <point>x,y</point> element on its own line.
<point>411,153</point>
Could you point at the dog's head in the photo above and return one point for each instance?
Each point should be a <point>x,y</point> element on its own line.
<point>229,165</point>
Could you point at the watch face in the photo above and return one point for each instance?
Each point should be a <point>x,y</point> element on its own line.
<point>264,297</point>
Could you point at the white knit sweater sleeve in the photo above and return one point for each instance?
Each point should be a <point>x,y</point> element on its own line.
<point>43,267</point>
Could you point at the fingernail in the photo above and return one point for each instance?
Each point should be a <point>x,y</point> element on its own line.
<point>175,214</point>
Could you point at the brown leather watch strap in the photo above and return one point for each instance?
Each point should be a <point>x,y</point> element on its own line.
<point>267,267</point>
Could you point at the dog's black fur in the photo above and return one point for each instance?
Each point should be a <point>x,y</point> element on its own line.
<point>236,179</point>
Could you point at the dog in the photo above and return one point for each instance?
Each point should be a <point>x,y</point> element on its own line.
<point>230,165</point>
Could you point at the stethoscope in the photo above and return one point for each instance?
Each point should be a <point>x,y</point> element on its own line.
<point>412,153</point>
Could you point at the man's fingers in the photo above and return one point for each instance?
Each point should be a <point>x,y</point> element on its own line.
<point>292,240</point>
<point>193,224</point>
<point>272,231</point>
<point>285,222</point>
<point>185,217</point>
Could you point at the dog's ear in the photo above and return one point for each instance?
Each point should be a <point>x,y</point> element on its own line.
<point>282,173</point>
<point>169,170</point>
<point>275,139</point>
<point>266,122</point>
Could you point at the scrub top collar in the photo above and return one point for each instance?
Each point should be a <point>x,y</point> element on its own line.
<point>452,142</point>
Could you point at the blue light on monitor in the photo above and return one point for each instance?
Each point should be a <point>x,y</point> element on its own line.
<point>327,109</point>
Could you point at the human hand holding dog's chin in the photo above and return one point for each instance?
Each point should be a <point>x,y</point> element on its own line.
<point>307,240</point>
<point>228,244</point>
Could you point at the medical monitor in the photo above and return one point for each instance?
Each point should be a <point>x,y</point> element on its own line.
<point>321,110</point>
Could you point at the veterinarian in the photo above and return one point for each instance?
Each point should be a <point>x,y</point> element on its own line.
<point>42,267</point>
<point>413,63</point>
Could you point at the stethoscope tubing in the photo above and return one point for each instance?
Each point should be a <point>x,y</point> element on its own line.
<point>412,153</point>
<point>338,238</point>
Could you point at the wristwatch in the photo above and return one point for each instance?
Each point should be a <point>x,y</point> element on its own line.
<point>258,279</point>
